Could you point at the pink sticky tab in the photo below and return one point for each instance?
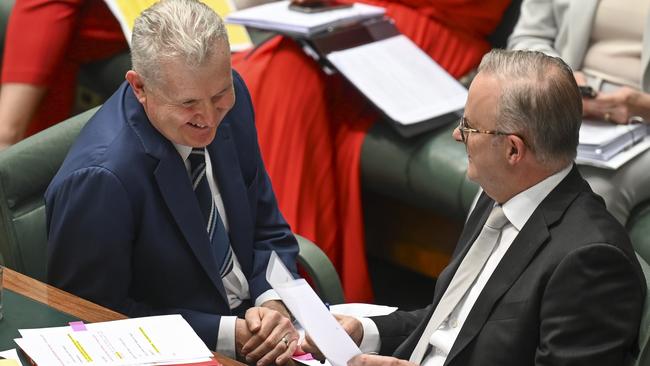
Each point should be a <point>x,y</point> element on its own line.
<point>303,357</point>
<point>77,326</point>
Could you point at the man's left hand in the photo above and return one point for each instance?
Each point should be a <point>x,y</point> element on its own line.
<point>274,338</point>
<point>374,360</point>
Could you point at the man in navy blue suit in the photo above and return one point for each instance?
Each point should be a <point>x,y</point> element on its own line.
<point>163,204</point>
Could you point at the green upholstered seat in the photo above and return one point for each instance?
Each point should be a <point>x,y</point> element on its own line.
<point>321,271</point>
<point>26,170</point>
<point>5,9</point>
<point>644,329</point>
<point>426,171</point>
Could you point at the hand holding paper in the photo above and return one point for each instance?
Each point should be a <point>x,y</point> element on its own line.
<point>350,324</point>
<point>327,334</point>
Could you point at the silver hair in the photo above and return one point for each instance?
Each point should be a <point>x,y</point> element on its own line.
<point>185,30</point>
<point>539,101</point>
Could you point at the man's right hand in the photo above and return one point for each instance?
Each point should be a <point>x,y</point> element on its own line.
<point>350,324</point>
<point>266,336</point>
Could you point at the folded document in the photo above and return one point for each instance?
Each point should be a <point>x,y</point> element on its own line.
<point>155,340</point>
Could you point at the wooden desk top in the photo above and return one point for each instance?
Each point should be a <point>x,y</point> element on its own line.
<point>70,304</point>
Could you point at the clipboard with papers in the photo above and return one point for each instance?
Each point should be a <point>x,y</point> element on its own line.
<point>393,73</point>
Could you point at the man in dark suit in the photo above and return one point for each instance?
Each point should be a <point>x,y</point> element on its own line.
<point>559,283</point>
<point>137,225</point>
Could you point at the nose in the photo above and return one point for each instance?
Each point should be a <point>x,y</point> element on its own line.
<point>456,135</point>
<point>207,114</point>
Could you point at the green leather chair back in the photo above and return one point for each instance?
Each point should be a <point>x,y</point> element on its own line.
<point>644,329</point>
<point>5,10</point>
<point>26,170</point>
<point>324,278</point>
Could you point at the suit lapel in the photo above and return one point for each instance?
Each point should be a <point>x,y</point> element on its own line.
<point>470,232</point>
<point>175,189</point>
<point>474,226</point>
<point>232,187</point>
<point>528,242</point>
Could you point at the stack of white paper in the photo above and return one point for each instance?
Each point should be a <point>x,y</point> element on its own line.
<point>156,340</point>
<point>278,17</point>
<point>610,145</point>
<point>401,80</point>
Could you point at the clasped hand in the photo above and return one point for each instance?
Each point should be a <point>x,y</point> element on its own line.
<point>266,335</point>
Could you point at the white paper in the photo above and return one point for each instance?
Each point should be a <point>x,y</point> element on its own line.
<point>11,354</point>
<point>619,159</point>
<point>312,314</point>
<point>361,310</point>
<point>149,340</point>
<point>400,79</point>
<point>277,16</point>
<point>601,132</point>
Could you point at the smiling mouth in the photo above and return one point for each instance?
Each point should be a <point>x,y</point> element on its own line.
<point>197,125</point>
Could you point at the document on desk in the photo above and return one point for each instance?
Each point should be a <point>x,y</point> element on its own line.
<point>311,313</point>
<point>156,340</point>
<point>400,79</point>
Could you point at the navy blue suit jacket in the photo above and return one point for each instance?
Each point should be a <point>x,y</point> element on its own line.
<point>125,229</point>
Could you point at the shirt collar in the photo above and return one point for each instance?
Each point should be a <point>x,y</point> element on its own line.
<point>519,208</point>
<point>183,151</point>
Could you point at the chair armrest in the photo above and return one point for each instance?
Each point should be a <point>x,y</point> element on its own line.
<point>319,268</point>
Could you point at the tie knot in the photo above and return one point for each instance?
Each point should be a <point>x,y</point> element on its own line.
<point>497,219</point>
<point>196,158</point>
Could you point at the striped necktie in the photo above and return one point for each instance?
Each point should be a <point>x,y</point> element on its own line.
<point>214,226</point>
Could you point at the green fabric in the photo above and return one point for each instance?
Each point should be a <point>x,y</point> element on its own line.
<point>21,312</point>
<point>426,171</point>
<point>644,328</point>
<point>321,271</point>
<point>26,170</point>
<point>638,227</point>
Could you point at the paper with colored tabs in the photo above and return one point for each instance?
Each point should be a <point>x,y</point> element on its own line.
<point>127,10</point>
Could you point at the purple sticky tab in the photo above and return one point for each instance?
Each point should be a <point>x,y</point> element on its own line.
<point>77,326</point>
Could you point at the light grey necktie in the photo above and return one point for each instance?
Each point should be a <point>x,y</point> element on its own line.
<point>464,277</point>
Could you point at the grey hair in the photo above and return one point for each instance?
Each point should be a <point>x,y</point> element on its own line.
<point>185,30</point>
<point>540,101</point>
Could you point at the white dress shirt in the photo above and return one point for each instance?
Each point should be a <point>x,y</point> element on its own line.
<point>235,282</point>
<point>518,210</point>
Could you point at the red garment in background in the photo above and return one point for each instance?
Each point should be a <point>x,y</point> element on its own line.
<point>47,41</point>
<point>311,126</point>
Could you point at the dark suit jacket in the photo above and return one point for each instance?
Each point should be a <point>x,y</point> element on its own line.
<point>125,228</point>
<point>569,291</point>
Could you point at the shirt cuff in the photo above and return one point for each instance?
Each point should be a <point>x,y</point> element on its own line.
<point>370,343</point>
<point>226,337</point>
<point>267,296</point>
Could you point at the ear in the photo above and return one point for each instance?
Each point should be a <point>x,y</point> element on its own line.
<point>516,149</point>
<point>136,82</point>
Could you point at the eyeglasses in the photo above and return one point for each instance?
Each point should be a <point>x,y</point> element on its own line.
<point>465,130</point>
